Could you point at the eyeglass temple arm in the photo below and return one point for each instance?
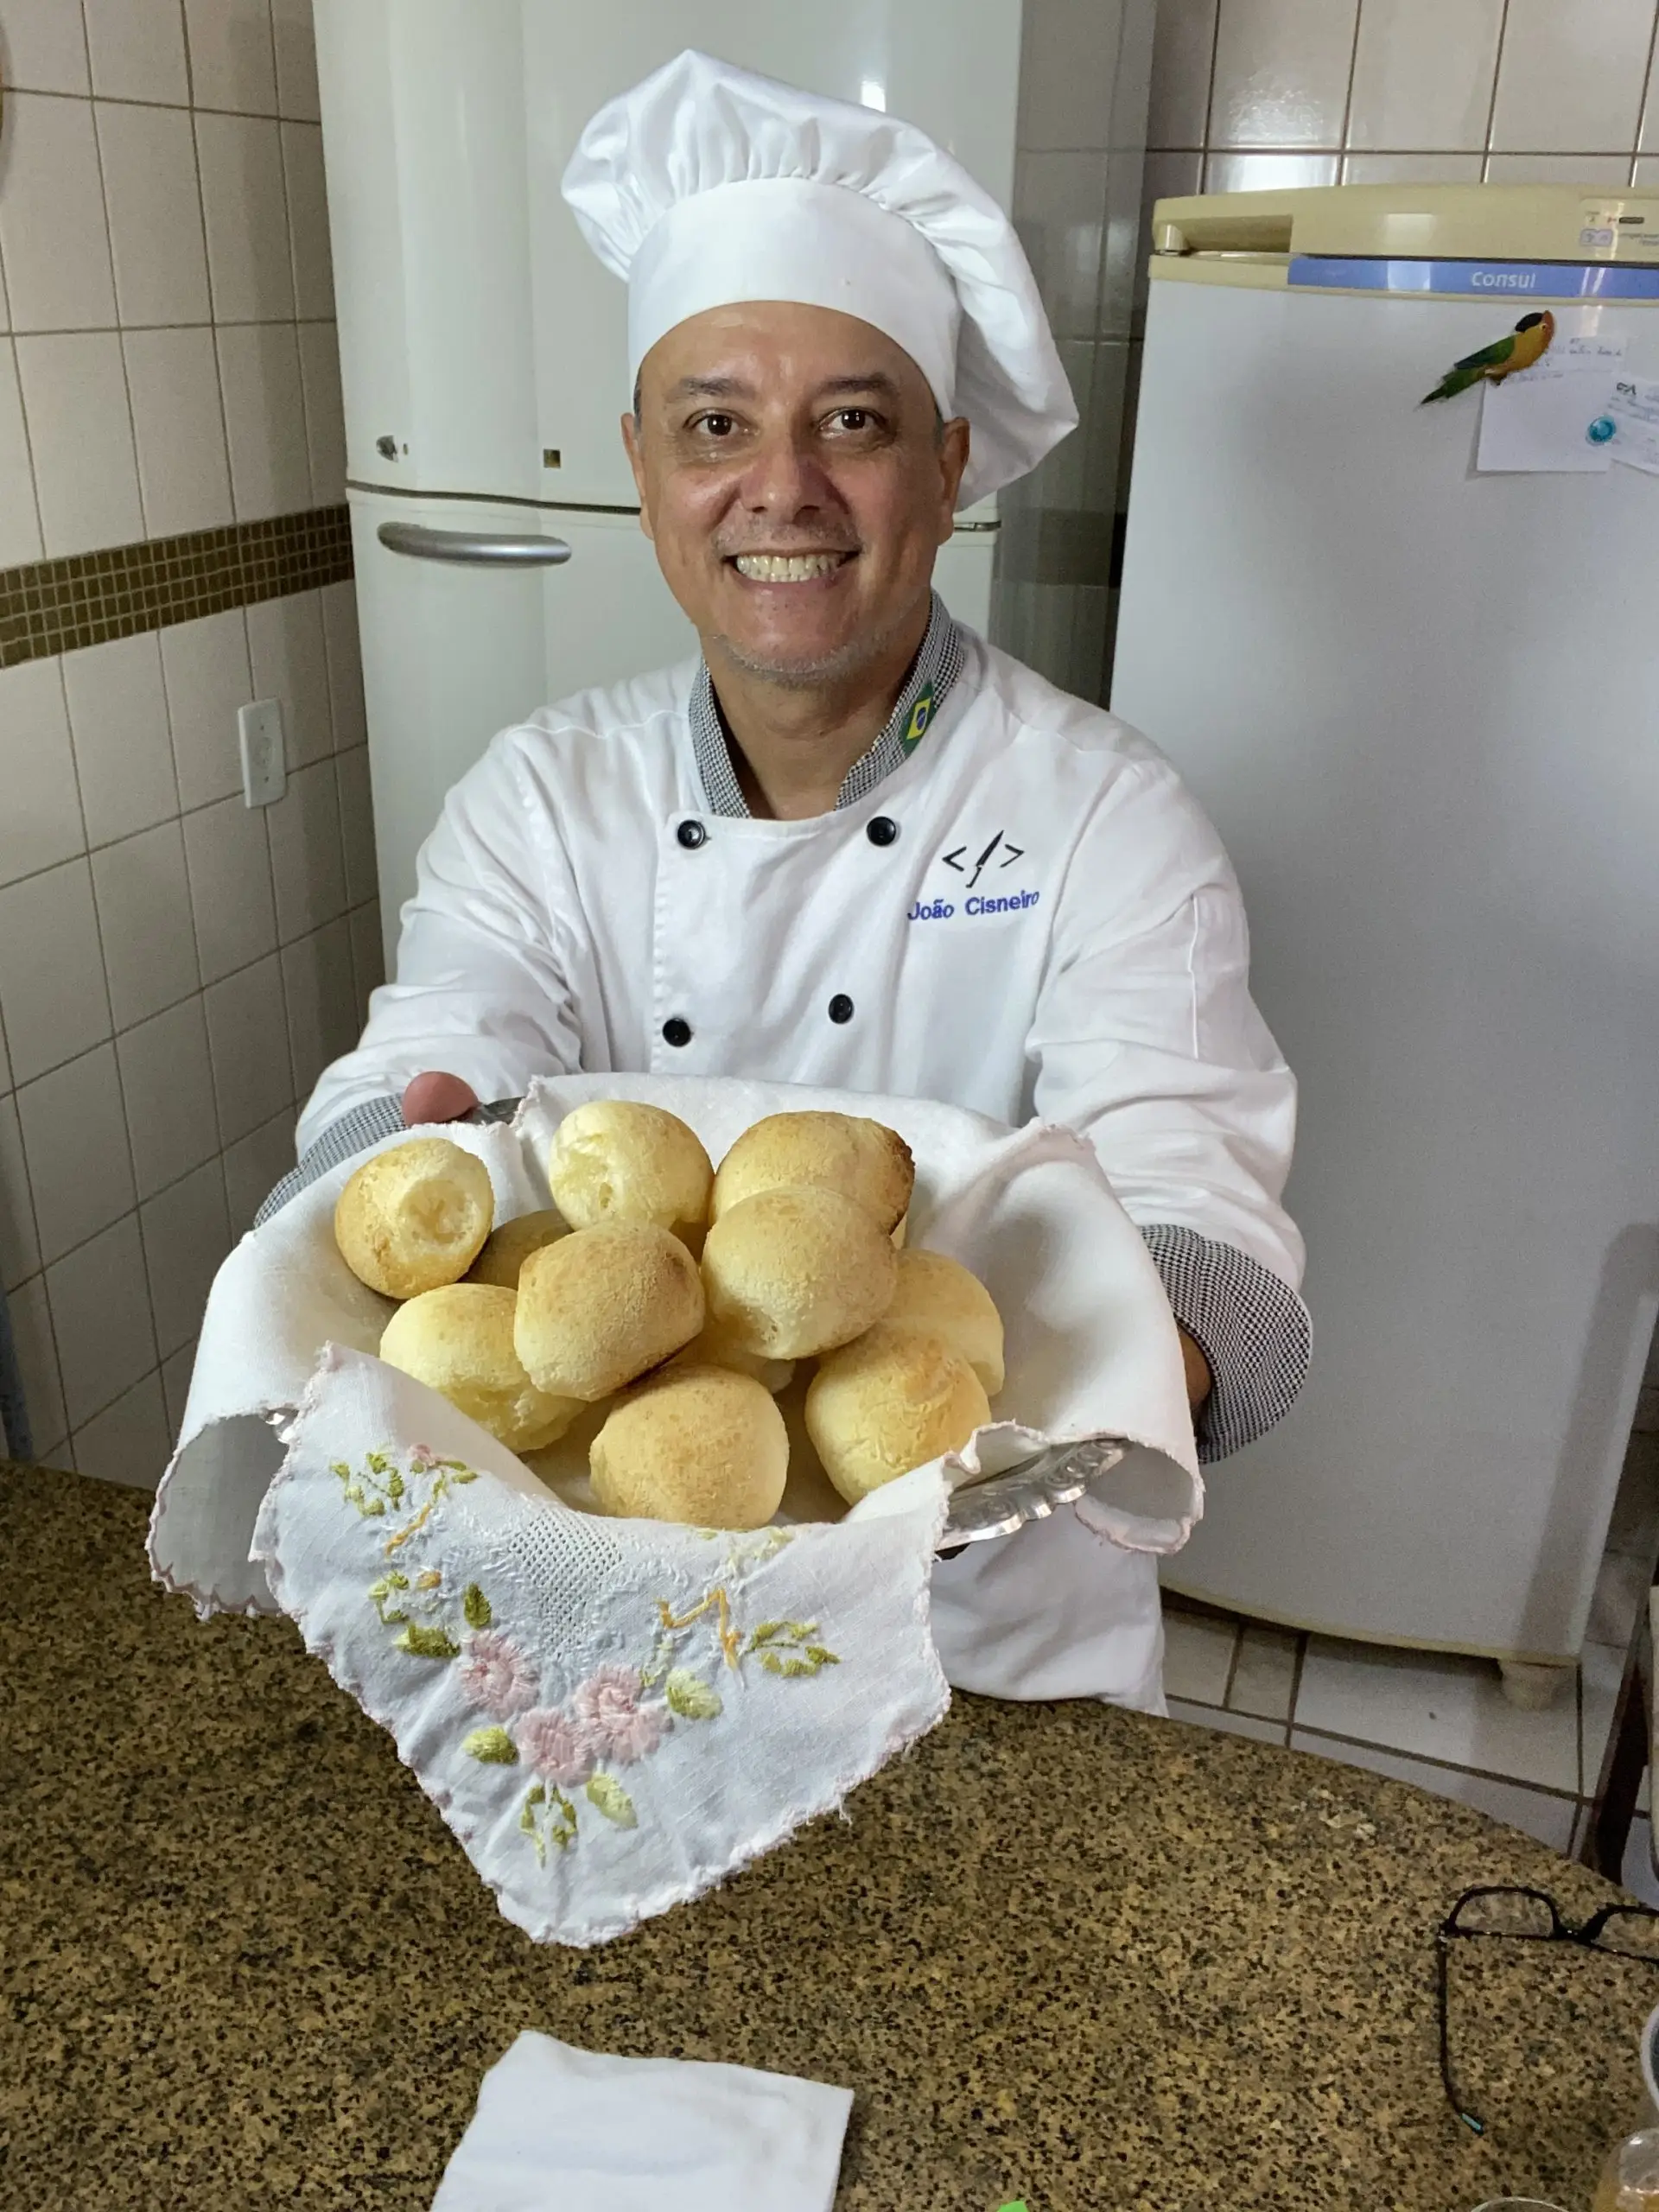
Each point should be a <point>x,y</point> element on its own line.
<point>1454,2098</point>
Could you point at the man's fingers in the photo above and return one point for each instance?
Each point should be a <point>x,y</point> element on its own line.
<point>435,1096</point>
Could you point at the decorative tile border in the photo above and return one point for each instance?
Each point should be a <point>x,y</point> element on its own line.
<point>86,599</point>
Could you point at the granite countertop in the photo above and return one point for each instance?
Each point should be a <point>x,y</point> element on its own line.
<point>1058,1952</point>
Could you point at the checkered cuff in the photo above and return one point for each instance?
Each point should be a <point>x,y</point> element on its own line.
<point>352,1133</point>
<point>1251,1327</point>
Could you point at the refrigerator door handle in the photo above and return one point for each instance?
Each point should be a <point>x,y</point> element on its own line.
<point>475,548</point>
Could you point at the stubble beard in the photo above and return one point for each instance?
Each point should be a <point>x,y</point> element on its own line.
<point>813,674</point>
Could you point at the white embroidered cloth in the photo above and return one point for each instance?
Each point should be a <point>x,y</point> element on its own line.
<point>558,2126</point>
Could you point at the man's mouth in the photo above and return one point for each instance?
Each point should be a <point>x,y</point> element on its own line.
<point>788,568</point>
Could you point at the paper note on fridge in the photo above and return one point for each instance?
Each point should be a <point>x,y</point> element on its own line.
<point>1633,410</point>
<point>1543,425</point>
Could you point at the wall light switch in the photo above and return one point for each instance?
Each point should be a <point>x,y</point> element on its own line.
<point>264,766</point>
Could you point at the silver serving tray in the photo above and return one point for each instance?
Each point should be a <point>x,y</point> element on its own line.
<point>1031,1491</point>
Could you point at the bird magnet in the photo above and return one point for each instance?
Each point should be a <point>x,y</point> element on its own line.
<point>1520,348</point>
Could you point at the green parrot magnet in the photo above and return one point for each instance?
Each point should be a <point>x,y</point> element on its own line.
<point>1527,343</point>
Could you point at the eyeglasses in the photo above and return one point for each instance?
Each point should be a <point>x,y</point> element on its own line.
<point>1624,1931</point>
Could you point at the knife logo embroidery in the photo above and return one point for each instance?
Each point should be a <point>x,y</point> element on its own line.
<point>1010,853</point>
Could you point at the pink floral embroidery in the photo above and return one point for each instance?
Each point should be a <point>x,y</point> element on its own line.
<point>612,1719</point>
<point>496,1676</point>
<point>560,1752</point>
<point>422,1459</point>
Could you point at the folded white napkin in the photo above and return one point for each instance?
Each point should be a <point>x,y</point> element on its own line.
<point>560,2127</point>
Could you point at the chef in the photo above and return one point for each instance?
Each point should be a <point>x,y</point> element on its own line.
<point>854,845</point>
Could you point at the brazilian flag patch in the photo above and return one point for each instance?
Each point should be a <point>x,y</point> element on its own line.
<point>920,716</point>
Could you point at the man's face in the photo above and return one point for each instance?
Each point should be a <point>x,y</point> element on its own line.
<point>796,483</point>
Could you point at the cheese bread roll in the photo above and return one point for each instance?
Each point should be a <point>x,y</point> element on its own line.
<point>414,1217</point>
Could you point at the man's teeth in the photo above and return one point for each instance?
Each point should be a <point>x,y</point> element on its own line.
<point>786,568</point>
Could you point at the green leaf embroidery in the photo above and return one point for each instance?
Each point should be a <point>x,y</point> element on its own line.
<point>613,1800</point>
<point>492,1746</point>
<point>386,1588</point>
<point>428,1642</point>
<point>820,1656</point>
<point>689,1696</point>
<point>782,1632</point>
<point>476,1607</point>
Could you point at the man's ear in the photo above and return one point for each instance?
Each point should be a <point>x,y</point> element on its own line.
<point>632,446</point>
<point>953,460</point>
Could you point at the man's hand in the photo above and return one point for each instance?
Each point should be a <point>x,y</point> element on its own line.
<point>1199,1381</point>
<point>434,1096</point>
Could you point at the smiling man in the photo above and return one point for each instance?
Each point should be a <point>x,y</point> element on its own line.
<point>854,845</point>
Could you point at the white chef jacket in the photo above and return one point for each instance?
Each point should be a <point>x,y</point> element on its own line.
<point>1027,916</point>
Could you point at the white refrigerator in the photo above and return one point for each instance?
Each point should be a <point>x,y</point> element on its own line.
<point>498,556</point>
<point>1420,699</point>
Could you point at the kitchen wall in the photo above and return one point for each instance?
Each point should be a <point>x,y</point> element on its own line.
<point>174,968</point>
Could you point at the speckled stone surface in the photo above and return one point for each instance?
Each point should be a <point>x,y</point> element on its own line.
<point>1059,1952</point>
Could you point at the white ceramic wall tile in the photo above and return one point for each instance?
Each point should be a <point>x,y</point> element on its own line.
<point>144,913</point>
<point>75,1141</point>
<point>154,204</point>
<point>1634,1526</point>
<point>30,1316</point>
<point>1228,1724</point>
<point>128,1442</point>
<point>1264,1674</point>
<point>232,62</point>
<point>1182,52</point>
<point>205,665</point>
<point>52,229</point>
<point>265,417</point>
<point>52,990</point>
<point>243,199</point>
<point>1104,432</point>
<point>1570,79</point>
<point>1163,176</point>
<point>138,50</point>
<point>1620,1593</point>
<point>166,1087</point>
<point>254,1166</point>
<point>1438,1706</point>
<point>1059,203</point>
<point>345,664</point>
<point>1281,73</point>
<point>1132,89</point>
<point>187,1233</point>
<point>1558,168</point>
<point>124,754</point>
<point>357,825</point>
<point>100,1317</point>
<point>20,521</point>
<point>1423,72</point>
<point>1601,1670</point>
<point>289,663</point>
<point>1124,246</point>
<point>307,221</point>
<point>39,813</point>
<point>229,863</point>
<point>321,993</point>
<point>80,433</point>
<point>1412,169</point>
<point>1549,1819</point>
<point>43,47</point>
<point>325,412</point>
<point>5,1061</point>
<point>306,863</point>
<point>368,955</point>
<point>247,1037</point>
<point>184,473</point>
<point>1068,64</point>
<point>1197,1655</point>
<point>1267,172</point>
<point>20,1244</point>
<point>297,58</point>
<point>1647,173</point>
<point>175,1390</point>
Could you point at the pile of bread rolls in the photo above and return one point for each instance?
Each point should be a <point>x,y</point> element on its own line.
<point>680,1301</point>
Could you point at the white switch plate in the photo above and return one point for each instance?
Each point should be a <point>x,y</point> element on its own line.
<point>264,767</point>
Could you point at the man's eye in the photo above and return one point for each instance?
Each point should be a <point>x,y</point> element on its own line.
<point>852,418</point>
<point>717,426</point>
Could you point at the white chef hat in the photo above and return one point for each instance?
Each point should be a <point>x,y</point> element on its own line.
<point>707,185</point>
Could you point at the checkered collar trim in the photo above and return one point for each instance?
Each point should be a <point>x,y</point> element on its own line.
<point>934,670</point>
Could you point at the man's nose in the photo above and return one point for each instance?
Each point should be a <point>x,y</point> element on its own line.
<point>783,477</point>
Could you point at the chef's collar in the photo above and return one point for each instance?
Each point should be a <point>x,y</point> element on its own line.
<point>935,668</point>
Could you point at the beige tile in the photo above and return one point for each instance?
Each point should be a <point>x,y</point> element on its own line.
<point>205,665</point>
<point>138,50</point>
<point>357,825</point>
<point>247,1037</point>
<point>80,433</point>
<point>1197,1655</point>
<point>128,1442</point>
<point>254,1166</point>
<point>1423,72</point>
<point>156,236</point>
<point>20,1244</point>
<point>1068,64</point>
<point>1227,1724</point>
<point>30,1316</point>
<point>1633,1526</point>
<point>1435,1705</point>
<point>167,1088</point>
<point>264,416</point>
<point>322,994</point>
<point>1132,85</point>
<point>307,221</point>
<point>40,815</point>
<point>242,198</point>
<point>1571,78</point>
<point>5,1061</point>
<point>19,520</point>
<point>368,955</point>
<point>123,755</point>
<point>232,62</point>
<point>1104,432</point>
<point>52,990</point>
<point>345,664</point>
<point>1267,172</point>
<point>1059,205</point>
<point>1182,52</point>
<point>297,58</point>
<point>325,412</point>
<point>75,1141</point>
<point>184,472</point>
<point>1620,1593</point>
<point>1647,173</point>
<point>307,860</point>
<point>1557,169</point>
<point>229,863</point>
<point>52,235</point>
<point>144,913</point>
<point>176,1389</point>
<point>1549,1819</point>
<point>187,1233</point>
<point>290,660</point>
<point>43,46</point>
<point>1264,1675</point>
<point>1121,255</point>
<point>101,1319</point>
<point>1412,169</point>
<point>1281,73</point>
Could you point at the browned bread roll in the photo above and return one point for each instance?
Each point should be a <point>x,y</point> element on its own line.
<point>414,1217</point>
<point>700,1445</point>
<point>507,1248</point>
<point>890,1401</point>
<point>940,1297</point>
<point>600,1307</point>
<point>458,1340</point>
<point>613,1160</point>
<point>863,1161</point>
<point>794,1272</point>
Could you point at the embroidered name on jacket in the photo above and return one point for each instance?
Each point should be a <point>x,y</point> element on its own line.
<point>940,910</point>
